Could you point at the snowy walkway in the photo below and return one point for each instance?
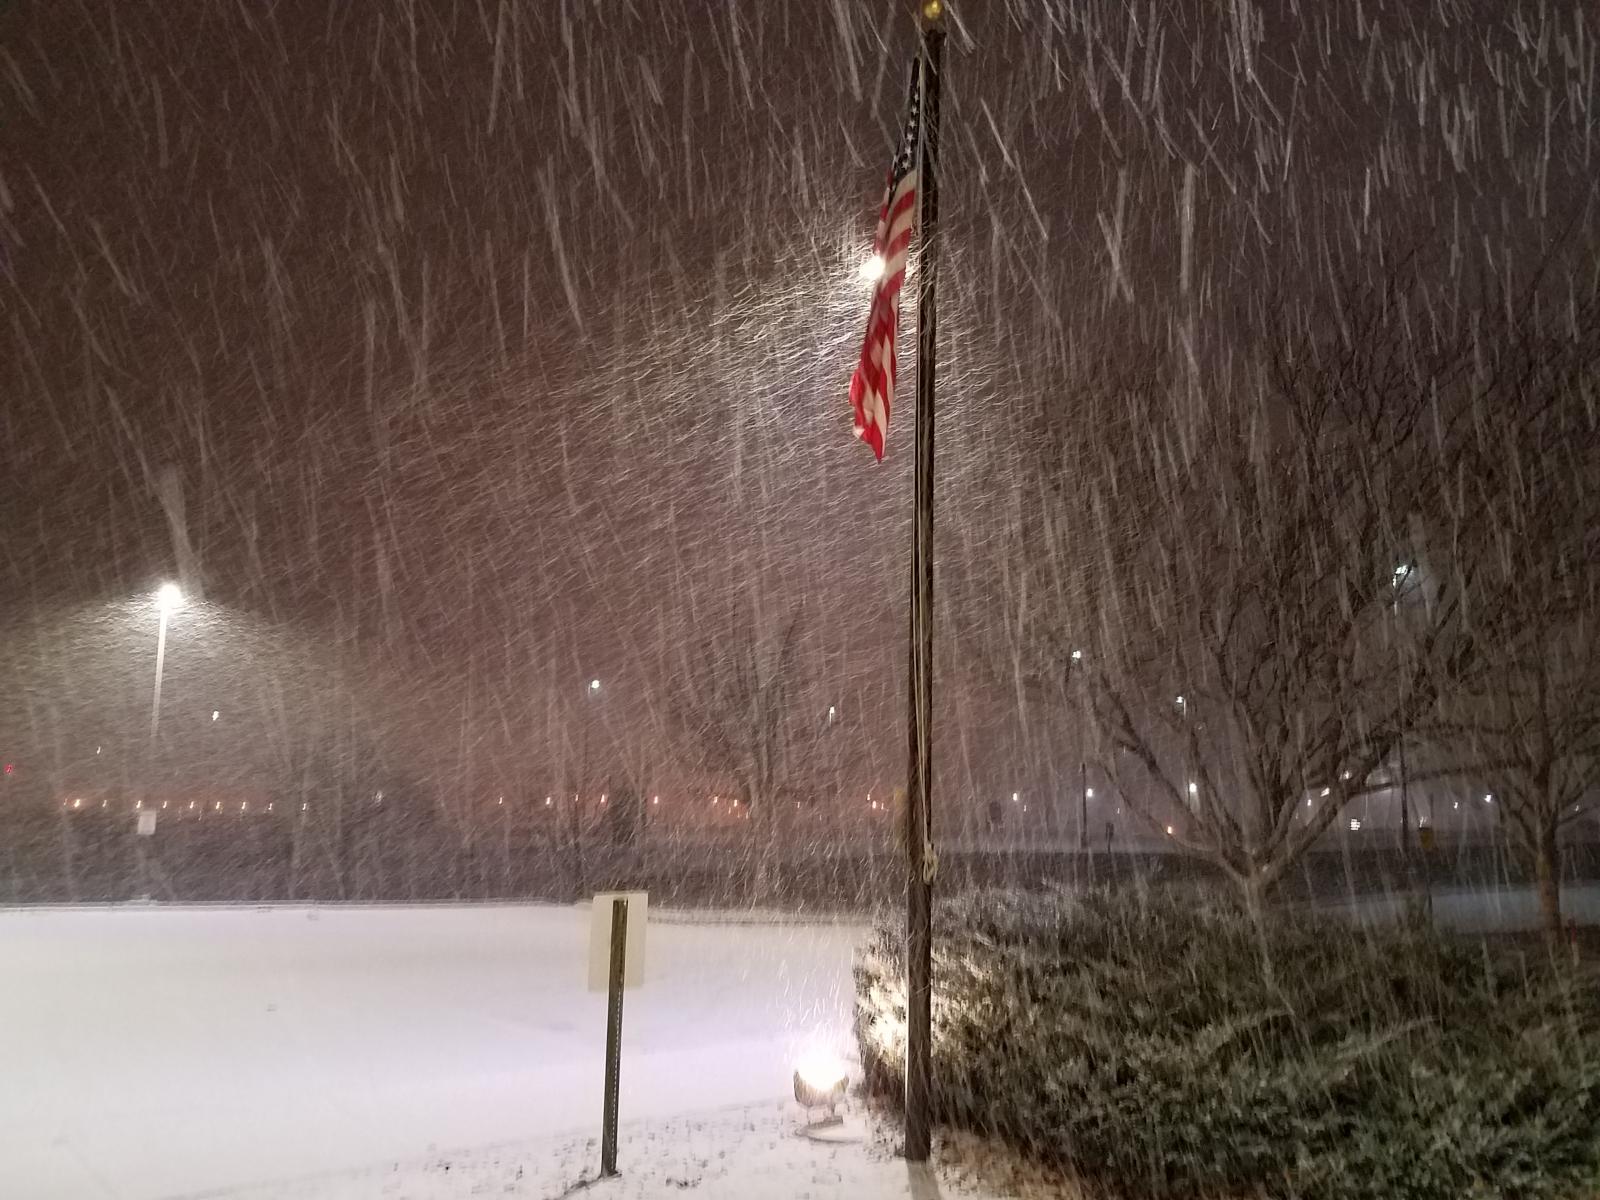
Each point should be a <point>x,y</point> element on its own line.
<point>749,1153</point>
<point>152,1053</point>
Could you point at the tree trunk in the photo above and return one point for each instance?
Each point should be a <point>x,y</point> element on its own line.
<point>762,822</point>
<point>1254,886</point>
<point>1547,870</point>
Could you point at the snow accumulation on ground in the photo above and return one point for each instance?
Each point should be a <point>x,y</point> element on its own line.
<point>434,1052</point>
<point>745,1153</point>
<point>160,1052</point>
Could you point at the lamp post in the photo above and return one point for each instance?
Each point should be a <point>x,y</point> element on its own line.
<point>1083,804</point>
<point>591,692</point>
<point>1401,578</point>
<point>169,598</point>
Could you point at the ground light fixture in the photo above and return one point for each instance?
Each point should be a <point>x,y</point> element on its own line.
<point>821,1086</point>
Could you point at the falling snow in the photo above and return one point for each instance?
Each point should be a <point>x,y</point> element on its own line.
<point>475,373</point>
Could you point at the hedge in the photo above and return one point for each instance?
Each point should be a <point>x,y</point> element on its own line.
<point>1160,1045</point>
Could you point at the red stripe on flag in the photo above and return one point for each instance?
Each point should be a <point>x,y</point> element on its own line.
<point>873,382</point>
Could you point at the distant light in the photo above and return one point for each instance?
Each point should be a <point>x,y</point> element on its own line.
<point>304,806</point>
<point>243,804</point>
<point>1169,830</point>
<point>874,804</point>
<point>832,712</point>
<point>163,804</point>
<point>378,796</point>
<point>1456,806</point>
<point>1345,775</point>
<point>218,807</point>
<point>548,801</point>
<point>191,804</point>
<point>140,803</point>
<point>169,597</point>
<point>78,802</point>
<point>10,768</point>
<point>269,805</point>
<point>594,685</point>
<point>872,269</point>
<point>215,714</point>
<point>97,749</point>
<point>1015,797</point>
<point>1488,799</point>
<point>602,799</point>
<point>655,799</point>
<point>716,800</point>
<point>1194,788</point>
<point>1088,793</point>
<point>501,800</point>
<point>1355,824</point>
<point>1077,656</point>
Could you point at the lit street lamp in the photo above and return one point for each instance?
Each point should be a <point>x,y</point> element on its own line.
<point>169,598</point>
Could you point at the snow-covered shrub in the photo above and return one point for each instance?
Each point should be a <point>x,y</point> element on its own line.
<point>1160,1045</point>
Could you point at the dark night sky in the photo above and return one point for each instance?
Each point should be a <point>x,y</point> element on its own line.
<point>490,337</point>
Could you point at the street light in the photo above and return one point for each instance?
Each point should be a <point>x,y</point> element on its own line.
<point>169,598</point>
<point>594,686</point>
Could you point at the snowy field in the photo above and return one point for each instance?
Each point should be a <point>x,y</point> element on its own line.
<point>157,1053</point>
<point>746,1153</point>
<point>1470,910</point>
<point>339,1054</point>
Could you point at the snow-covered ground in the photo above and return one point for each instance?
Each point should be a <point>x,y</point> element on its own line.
<point>1471,910</point>
<point>162,1052</point>
<point>747,1153</point>
<point>427,1052</point>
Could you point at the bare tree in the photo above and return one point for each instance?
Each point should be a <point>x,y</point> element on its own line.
<point>739,704</point>
<point>1524,722</point>
<point>1217,575</point>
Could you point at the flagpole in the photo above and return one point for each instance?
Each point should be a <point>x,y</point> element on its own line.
<point>920,860</point>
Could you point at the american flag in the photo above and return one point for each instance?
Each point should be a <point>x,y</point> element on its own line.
<point>872,385</point>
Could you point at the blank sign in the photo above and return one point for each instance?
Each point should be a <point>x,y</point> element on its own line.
<point>600,940</point>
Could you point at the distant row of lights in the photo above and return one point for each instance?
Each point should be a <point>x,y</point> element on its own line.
<point>77,803</point>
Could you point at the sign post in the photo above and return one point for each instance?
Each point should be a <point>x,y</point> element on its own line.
<point>616,962</point>
<point>619,962</point>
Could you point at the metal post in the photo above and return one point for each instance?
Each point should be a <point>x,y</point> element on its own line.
<point>919,812</point>
<point>1083,805</point>
<point>619,956</point>
<point>1405,805</point>
<point>161,661</point>
<point>150,752</point>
